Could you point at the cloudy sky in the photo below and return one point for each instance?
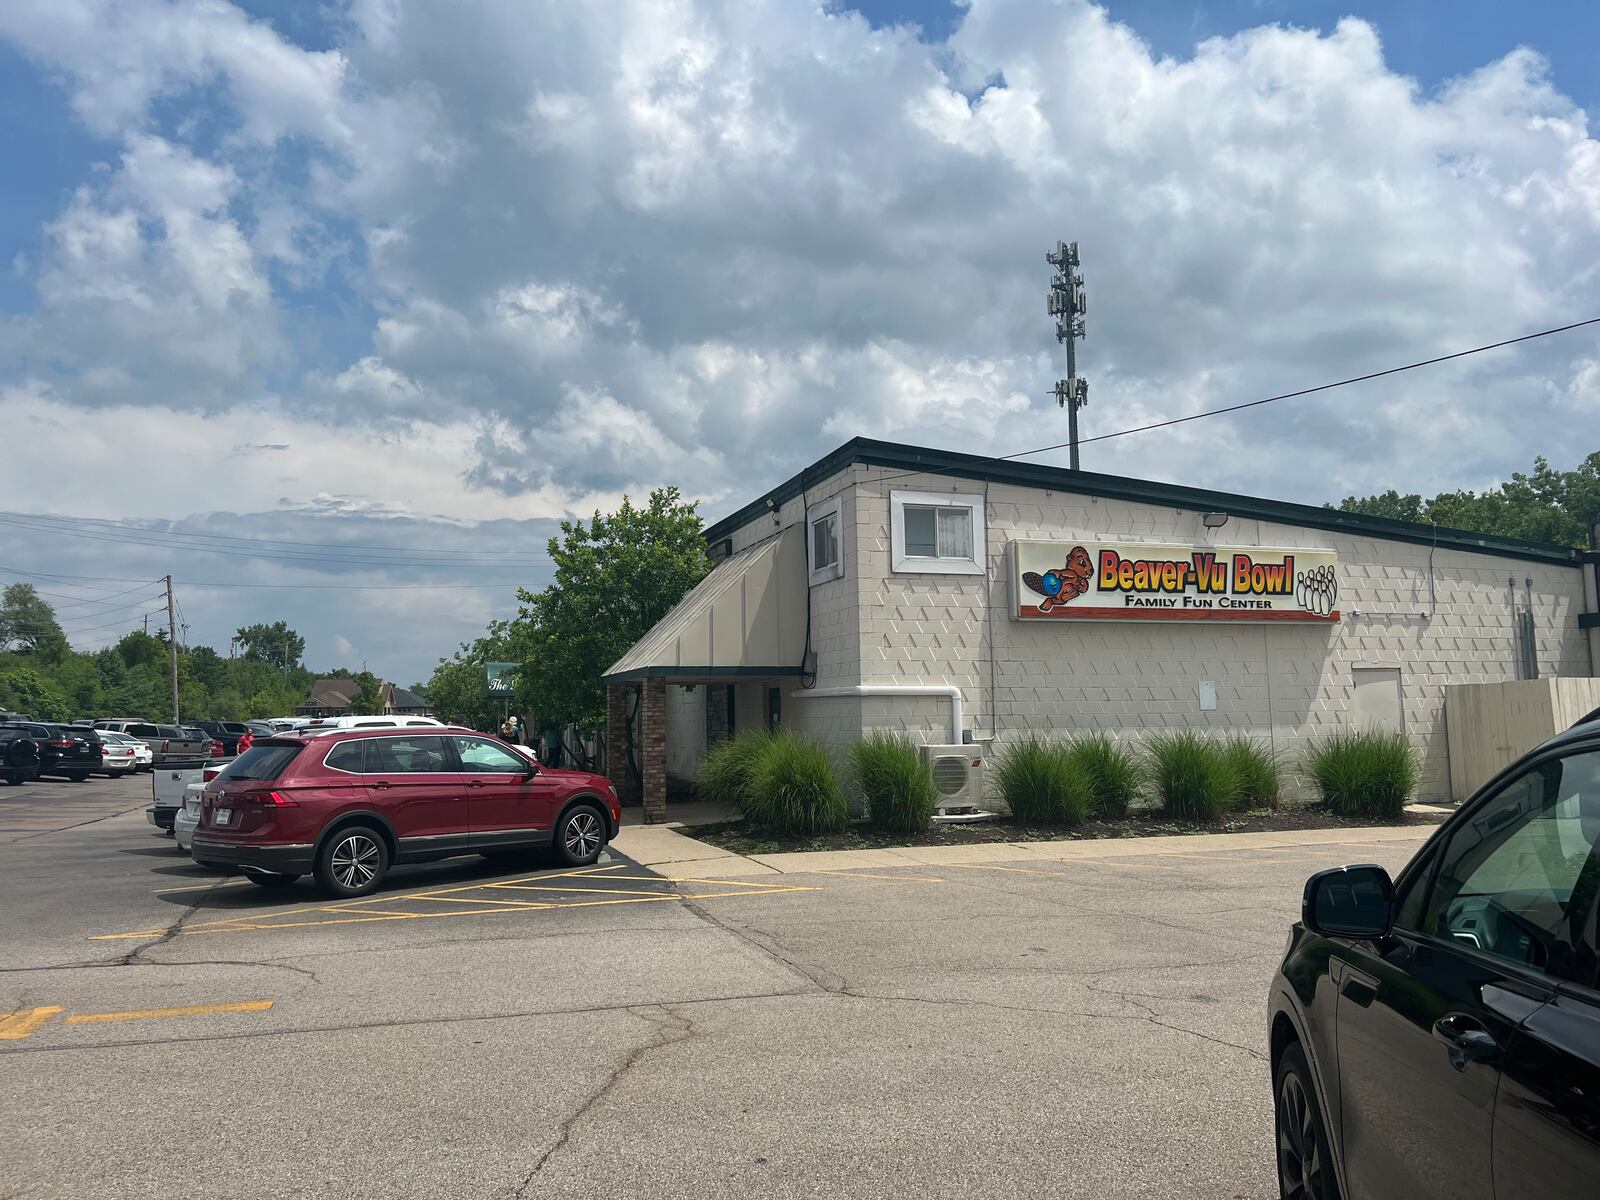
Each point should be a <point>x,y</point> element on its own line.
<point>415,279</point>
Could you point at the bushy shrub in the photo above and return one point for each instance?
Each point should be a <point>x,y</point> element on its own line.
<point>1259,772</point>
<point>1116,774</point>
<point>727,769</point>
<point>895,783</point>
<point>1042,784</point>
<point>1370,774</point>
<point>1191,775</point>
<point>795,786</point>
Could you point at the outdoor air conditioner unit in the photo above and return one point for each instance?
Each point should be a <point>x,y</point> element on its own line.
<point>958,782</point>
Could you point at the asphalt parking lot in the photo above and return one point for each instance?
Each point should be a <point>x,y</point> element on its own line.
<point>1092,1028</point>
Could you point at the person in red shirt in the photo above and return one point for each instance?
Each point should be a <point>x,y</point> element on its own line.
<point>245,740</point>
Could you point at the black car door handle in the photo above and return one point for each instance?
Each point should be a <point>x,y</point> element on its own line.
<point>1468,1041</point>
<point>381,785</point>
<point>474,783</point>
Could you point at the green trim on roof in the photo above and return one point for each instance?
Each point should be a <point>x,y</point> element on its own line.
<point>895,456</point>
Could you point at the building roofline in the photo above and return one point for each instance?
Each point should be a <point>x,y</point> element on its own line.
<point>920,459</point>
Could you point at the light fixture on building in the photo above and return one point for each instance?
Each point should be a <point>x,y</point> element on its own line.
<point>1214,520</point>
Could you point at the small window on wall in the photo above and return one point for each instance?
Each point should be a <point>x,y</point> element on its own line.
<point>937,534</point>
<point>825,552</point>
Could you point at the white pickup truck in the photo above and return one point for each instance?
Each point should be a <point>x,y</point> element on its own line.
<point>168,787</point>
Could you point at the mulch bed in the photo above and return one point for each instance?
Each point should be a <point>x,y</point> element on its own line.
<point>744,838</point>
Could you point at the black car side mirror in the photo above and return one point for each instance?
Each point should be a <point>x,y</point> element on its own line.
<point>1353,902</point>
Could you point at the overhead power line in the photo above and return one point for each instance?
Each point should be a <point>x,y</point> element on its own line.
<point>1325,387</point>
<point>356,587</point>
<point>45,525</point>
<point>238,540</point>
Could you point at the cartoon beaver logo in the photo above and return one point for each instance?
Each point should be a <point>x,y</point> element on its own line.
<point>1068,582</point>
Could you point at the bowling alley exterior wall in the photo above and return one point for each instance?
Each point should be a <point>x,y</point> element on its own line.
<point>1352,621</point>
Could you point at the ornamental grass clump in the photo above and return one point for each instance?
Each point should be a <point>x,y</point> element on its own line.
<point>727,770</point>
<point>1042,784</point>
<point>796,787</point>
<point>1259,771</point>
<point>1366,774</point>
<point>896,785</point>
<point>1191,775</point>
<point>1116,774</point>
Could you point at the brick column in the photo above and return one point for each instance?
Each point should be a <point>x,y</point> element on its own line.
<point>717,730</point>
<point>617,695</point>
<point>653,750</point>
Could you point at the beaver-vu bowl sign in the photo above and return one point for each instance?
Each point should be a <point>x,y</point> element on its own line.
<point>1103,581</point>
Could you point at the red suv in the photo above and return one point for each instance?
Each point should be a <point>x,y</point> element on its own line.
<point>347,806</point>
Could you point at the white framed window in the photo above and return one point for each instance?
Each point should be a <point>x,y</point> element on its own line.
<point>825,541</point>
<point>937,534</point>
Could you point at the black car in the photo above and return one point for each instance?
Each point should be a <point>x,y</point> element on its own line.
<point>226,732</point>
<point>19,755</point>
<point>71,751</point>
<point>1439,1035</point>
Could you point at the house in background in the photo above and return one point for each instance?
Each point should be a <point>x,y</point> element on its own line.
<point>334,696</point>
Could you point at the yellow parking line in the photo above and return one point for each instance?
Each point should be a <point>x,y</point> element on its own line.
<point>467,900</point>
<point>200,887</point>
<point>188,1010</point>
<point>536,887</point>
<point>847,873</point>
<point>18,1025</point>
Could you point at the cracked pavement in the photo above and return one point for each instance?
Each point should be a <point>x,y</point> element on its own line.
<point>1087,1029</point>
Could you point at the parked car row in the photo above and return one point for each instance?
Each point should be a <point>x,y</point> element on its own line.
<point>346,803</point>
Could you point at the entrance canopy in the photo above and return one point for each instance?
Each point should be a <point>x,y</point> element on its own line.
<point>747,619</point>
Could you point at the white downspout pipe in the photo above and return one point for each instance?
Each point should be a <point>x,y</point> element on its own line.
<point>948,691</point>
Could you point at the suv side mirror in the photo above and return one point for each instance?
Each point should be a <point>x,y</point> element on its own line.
<point>1355,901</point>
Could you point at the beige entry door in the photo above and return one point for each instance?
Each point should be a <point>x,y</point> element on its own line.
<point>1377,695</point>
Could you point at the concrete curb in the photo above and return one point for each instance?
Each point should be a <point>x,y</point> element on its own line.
<point>678,855</point>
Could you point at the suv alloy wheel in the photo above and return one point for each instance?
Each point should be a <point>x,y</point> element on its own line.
<point>353,861</point>
<point>580,834</point>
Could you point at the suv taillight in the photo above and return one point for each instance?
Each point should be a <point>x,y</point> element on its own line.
<point>164,746</point>
<point>59,744</point>
<point>210,773</point>
<point>268,800</point>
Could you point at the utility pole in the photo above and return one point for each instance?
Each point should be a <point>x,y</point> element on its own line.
<point>172,646</point>
<point>1067,304</point>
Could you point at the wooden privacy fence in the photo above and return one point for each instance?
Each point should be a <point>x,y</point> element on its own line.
<point>1489,725</point>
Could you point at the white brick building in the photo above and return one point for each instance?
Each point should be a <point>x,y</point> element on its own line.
<point>885,566</point>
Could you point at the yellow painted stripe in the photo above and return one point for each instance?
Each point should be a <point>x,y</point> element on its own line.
<point>539,887</point>
<point>18,1025</point>
<point>188,1010</point>
<point>847,873</point>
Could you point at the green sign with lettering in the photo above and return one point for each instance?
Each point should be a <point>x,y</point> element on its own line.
<point>500,678</point>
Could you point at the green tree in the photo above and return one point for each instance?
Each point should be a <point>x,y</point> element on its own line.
<point>25,690</point>
<point>275,644</point>
<point>1552,506</point>
<point>369,695</point>
<point>456,691</point>
<point>27,622</point>
<point>615,577</point>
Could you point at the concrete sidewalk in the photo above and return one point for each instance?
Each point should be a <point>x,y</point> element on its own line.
<point>675,853</point>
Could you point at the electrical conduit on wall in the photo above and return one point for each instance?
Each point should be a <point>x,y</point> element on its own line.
<point>949,691</point>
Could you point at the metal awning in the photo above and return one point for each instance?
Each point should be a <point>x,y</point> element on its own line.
<point>747,619</point>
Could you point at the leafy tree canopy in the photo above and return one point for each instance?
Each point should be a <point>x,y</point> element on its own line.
<point>1546,506</point>
<point>275,644</point>
<point>615,577</point>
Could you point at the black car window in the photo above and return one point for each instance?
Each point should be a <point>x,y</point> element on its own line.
<point>1518,878</point>
<point>407,756</point>
<point>263,762</point>
<point>144,731</point>
<point>346,756</point>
